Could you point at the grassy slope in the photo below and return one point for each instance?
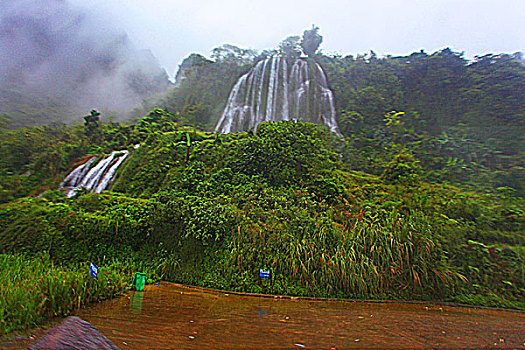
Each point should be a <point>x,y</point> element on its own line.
<point>282,200</point>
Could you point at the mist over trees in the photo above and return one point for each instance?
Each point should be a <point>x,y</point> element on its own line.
<point>459,117</point>
<point>291,47</point>
<point>485,97</point>
<point>56,60</point>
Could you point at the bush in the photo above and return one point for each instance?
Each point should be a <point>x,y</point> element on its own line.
<point>404,169</point>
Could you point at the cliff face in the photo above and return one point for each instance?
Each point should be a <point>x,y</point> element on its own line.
<point>59,53</point>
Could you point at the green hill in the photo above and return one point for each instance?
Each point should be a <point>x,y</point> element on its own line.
<point>423,197</point>
<point>216,209</point>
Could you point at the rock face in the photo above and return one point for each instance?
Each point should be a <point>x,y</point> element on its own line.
<point>73,333</point>
<point>275,90</point>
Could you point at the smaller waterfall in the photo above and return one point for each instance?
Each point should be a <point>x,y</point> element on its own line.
<point>273,91</point>
<point>95,177</point>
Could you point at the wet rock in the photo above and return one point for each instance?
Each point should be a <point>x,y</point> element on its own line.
<point>73,333</point>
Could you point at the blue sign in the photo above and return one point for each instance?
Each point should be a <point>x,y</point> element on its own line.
<point>93,269</point>
<point>264,273</point>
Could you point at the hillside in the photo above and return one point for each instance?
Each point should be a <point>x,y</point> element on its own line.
<point>421,198</point>
<point>213,211</point>
<point>463,119</point>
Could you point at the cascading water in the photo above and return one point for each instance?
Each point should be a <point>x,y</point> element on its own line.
<point>95,178</point>
<point>272,91</point>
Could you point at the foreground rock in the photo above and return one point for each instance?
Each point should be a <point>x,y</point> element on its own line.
<point>73,333</point>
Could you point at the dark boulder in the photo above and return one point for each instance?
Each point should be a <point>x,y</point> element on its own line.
<point>73,333</point>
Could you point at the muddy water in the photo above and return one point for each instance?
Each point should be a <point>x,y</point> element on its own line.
<point>173,316</point>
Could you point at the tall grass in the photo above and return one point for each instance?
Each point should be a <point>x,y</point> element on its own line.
<point>34,289</point>
<point>361,256</point>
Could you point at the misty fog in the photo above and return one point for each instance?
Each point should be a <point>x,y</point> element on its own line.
<point>55,54</point>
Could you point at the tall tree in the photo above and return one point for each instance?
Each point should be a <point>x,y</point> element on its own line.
<point>290,47</point>
<point>311,41</point>
<point>91,122</point>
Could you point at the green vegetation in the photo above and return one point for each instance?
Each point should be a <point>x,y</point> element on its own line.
<point>33,289</point>
<point>211,210</point>
<point>36,159</point>
<point>203,88</point>
<point>464,120</point>
<point>423,198</point>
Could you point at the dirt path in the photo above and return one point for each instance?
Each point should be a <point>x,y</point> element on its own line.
<point>173,316</point>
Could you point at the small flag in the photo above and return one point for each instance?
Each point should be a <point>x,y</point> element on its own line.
<point>93,269</point>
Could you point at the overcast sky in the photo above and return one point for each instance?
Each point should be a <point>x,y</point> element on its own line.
<point>172,29</point>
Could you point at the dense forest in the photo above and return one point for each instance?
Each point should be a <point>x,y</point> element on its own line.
<point>463,119</point>
<point>421,198</point>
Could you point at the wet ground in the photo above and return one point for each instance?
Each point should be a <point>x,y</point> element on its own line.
<point>173,316</point>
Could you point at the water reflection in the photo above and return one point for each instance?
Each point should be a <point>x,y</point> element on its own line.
<point>172,316</point>
<point>135,304</point>
<point>262,312</point>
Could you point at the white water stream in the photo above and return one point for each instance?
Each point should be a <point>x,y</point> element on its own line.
<point>95,178</point>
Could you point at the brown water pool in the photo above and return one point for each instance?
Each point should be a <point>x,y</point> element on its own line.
<point>174,316</point>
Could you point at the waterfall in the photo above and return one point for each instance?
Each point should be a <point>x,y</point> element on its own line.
<point>272,91</point>
<point>95,177</point>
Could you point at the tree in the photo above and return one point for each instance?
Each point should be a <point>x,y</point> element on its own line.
<point>311,41</point>
<point>285,152</point>
<point>193,60</point>
<point>196,114</point>
<point>403,169</point>
<point>91,122</point>
<point>232,54</point>
<point>157,120</point>
<point>290,47</point>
